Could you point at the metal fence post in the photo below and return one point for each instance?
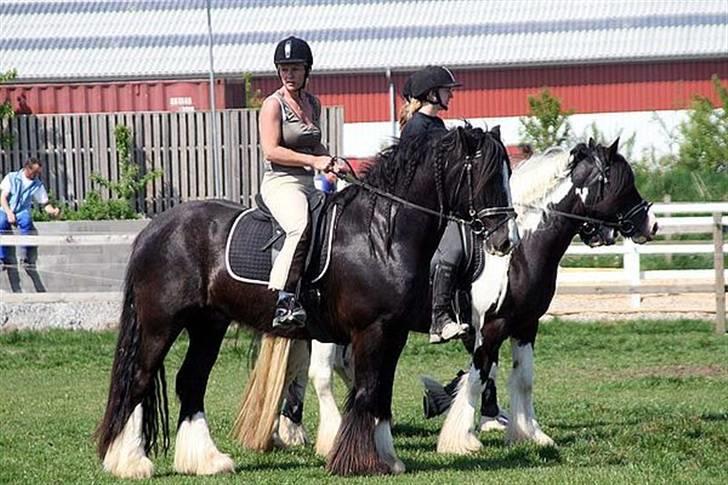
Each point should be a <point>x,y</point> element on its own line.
<point>631,264</point>
<point>719,273</point>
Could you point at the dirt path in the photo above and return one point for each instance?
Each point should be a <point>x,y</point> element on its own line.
<point>618,307</point>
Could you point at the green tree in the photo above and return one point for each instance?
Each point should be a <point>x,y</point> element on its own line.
<point>547,124</point>
<point>131,182</point>
<point>6,111</point>
<point>705,133</point>
<point>253,98</point>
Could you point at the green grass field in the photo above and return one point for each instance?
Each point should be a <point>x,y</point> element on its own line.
<point>639,402</point>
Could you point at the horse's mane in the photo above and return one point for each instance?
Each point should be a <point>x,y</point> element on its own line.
<point>534,179</point>
<point>394,168</point>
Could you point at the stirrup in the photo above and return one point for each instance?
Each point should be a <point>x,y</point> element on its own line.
<point>448,332</point>
<point>289,313</point>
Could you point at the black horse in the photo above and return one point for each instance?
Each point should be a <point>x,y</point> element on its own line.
<point>590,191</point>
<point>376,284</point>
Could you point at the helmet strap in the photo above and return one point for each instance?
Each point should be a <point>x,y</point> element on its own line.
<point>437,101</point>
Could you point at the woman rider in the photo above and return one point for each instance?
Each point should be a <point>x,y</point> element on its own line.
<point>427,92</point>
<point>290,137</point>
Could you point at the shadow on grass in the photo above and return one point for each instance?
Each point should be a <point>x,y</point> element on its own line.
<point>714,416</point>
<point>409,430</point>
<point>517,457</point>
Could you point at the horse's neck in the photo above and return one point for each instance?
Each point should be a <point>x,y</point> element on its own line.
<point>555,232</point>
<point>412,233</point>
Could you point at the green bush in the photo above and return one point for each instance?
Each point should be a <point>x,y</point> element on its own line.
<point>547,125</point>
<point>123,191</point>
<point>6,110</point>
<point>705,134</point>
<point>681,183</point>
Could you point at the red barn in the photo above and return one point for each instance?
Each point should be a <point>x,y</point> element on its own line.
<point>621,65</point>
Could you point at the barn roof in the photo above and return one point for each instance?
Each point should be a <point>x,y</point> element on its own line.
<point>54,40</point>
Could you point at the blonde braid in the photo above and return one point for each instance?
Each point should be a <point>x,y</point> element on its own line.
<point>408,110</point>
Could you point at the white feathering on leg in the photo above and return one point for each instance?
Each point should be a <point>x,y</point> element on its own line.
<point>457,434</point>
<point>385,446</point>
<point>125,457</point>
<point>320,373</point>
<point>195,453</point>
<point>523,425</point>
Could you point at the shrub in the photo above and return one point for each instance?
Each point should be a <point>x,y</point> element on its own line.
<point>547,124</point>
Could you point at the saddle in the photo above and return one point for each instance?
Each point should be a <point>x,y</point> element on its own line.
<point>256,238</point>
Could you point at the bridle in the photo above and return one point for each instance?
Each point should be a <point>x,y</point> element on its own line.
<point>475,216</point>
<point>625,223</point>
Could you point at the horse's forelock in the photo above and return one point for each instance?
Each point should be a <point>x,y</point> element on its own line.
<point>490,163</point>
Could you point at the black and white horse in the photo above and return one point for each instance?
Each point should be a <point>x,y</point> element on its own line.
<point>377,280</point>
<point>589,190</point>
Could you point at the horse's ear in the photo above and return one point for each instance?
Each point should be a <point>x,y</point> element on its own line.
<point>496,131</point>
<point>613,148</point>
<point>592,143</point>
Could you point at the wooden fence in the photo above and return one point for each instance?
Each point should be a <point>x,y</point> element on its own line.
<point>73,146</point>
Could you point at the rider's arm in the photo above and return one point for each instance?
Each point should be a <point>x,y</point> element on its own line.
<point>270,141</point>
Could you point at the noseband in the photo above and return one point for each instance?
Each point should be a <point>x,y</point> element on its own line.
<point>626,223</point>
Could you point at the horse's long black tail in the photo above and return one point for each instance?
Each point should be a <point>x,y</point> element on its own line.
<point>132,385</point>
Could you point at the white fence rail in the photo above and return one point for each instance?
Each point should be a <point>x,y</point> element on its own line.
<point>631,280</point>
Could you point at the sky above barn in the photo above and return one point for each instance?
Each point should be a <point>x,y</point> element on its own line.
<point>65,40</point>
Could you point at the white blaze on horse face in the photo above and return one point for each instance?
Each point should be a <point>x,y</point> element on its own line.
<point>652,225</point>
<point>583,193</point>
<point>125,457</point>
<point>513,235</point>
<point>194,451</point>
<point>457,434</point>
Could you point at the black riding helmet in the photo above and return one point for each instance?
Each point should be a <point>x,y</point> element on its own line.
<point>293,50</point>
<point>421,83</point>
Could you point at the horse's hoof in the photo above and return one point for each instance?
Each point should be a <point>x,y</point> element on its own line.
<point>536,436</point>
<point>289,434</point>
<point>467,445</point>
<point>327,436</point>
<point>542,439</point>
<point>136,467</point>
<point>492,424</point>
<point>213,463</point>
<point>397,468</point>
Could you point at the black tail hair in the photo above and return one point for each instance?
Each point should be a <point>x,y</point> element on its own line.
<point>119,406</point>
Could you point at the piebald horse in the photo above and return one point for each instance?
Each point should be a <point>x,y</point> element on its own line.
<point>558,194</point>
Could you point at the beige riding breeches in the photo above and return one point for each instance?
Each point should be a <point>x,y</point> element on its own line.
<point>286,197</point>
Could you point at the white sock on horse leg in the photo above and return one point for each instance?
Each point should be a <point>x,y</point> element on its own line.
<point>385,446</point>
<point>522,425</point>
<point>457,434</point>
<point>125,457</point>
<point>320,373</point>
<point>195,453</point>
<point>500,421</point>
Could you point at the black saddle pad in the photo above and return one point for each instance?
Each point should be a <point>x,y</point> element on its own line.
<point>254,241</point>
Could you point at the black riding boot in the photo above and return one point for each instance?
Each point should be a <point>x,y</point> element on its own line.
<point>289,312</point>
<point>443,328</point>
